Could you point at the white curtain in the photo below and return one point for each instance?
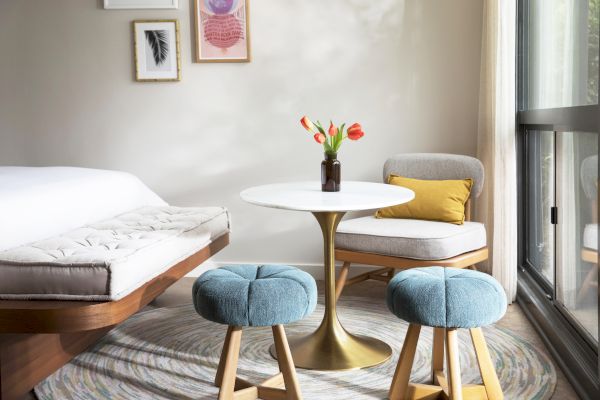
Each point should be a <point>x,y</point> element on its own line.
<point>497,206</point>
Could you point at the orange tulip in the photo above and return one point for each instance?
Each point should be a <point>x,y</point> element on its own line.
<point>333,130</point>
<point>355,132</point>
<point>307,124</point>
<point>320,138</point>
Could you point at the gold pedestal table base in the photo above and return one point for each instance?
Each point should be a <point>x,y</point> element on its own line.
<point>331,347</point>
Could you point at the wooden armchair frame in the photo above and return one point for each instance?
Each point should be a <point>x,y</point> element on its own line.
<point>390,264</point>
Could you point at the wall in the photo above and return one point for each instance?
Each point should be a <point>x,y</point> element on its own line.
<point>12,138</point>
<point>408,70</point>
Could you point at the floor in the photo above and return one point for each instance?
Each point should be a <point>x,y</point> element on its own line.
<point>514,319</point>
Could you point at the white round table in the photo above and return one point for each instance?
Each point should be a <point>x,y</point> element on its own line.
<point>331,347</point>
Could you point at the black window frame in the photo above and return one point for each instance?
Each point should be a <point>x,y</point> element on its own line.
<point>570,347</point>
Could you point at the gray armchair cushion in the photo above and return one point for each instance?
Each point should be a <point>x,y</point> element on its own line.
<point>409,238</point>
<point>436,166</point>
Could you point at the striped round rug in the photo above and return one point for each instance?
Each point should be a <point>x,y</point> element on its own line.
<point>172,353</point>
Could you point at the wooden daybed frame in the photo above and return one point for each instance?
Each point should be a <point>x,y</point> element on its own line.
<point>37,337</point>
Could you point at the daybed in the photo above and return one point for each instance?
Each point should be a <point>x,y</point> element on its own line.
<point>80,251</point>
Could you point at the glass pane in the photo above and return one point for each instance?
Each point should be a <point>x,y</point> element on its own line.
<point>560,53</point>
<point>539,201</point>
<point>577,228</point>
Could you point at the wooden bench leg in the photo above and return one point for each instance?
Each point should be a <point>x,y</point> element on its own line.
<point>26,359</point>
<point>486,368</point>
<point>398,389</point>
<point>454,383</point>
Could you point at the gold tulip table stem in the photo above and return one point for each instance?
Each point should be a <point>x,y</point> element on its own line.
<point>331,347</point>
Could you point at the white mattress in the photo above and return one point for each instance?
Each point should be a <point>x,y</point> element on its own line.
<point>40,202</point>
<point>109,259</point>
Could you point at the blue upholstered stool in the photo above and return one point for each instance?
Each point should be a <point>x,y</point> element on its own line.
<point>445,299</point>
<point>255,295</point>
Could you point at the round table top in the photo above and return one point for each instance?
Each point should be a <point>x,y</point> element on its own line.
<point>307,196</point>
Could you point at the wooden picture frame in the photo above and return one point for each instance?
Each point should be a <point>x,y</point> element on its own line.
<point>222,31</point>
<point>140,4</point>
<point>157,50</point>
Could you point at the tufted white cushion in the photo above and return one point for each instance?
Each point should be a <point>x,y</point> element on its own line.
<point>109,259</point>
<point>409,238</point>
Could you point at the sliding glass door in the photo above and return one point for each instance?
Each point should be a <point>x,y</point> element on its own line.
<point>577,230</point>
<point>558,135</point>
<point>539,200</point>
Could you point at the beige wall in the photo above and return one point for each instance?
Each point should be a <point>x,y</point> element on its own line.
<point>407,70</point>
<point>12,138</point>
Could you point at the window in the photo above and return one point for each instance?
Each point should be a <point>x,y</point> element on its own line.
<point>539,202</point>
<point>558,138</point>
<point>561,53</point>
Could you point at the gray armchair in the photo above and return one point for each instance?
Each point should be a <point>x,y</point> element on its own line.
<point>394,243</point>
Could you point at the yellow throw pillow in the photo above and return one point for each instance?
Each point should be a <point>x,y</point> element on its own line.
<point>434,200</point>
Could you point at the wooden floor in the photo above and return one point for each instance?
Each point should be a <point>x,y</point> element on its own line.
<point>180,293</point>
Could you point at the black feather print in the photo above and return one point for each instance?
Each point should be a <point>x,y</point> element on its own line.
<point>159,44</point>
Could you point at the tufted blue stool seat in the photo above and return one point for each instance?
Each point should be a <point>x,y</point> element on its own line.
<point>446,297</point>
<point>255,295</point>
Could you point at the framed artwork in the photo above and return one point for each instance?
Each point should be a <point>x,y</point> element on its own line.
<point>222,31</point>
<point>156,47</point>
<point>140,4</point>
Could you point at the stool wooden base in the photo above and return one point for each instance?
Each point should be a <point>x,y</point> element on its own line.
<point>444,387</point>
<point>234,388</point>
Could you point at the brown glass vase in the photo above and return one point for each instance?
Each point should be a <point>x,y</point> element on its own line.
<point>331,173</point>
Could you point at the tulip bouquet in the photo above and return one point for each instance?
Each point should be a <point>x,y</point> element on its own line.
<point>335,136</point>
<point>331,141</point>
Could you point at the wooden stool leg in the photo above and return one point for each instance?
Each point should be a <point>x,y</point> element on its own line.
<point>437,354</point>
<point>407,357</point>
<point>341,281</point>
<point>286,364</point>
<point>454,384</point>
<point>221,367</point>
<point>486,368</point>
<point>229,360</point>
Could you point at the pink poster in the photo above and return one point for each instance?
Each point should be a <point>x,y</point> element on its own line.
<point>222,31</point>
